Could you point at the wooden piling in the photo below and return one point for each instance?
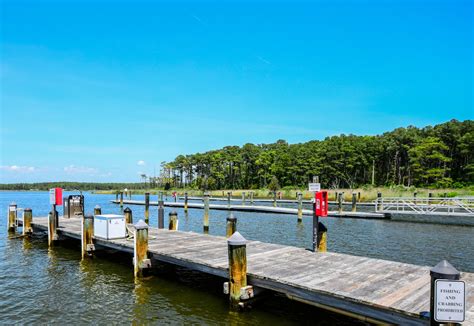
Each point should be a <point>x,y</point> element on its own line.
<point>121,199</point>
<point>116,196</point>
<point>339,202</point>
<point>52,225</point>
<point>358,196</point>
<point>228,198</point>
<point>97,210</point>
<point>354,202</point>
<point>87,233</point>
<point>322,237</point>
<point>237,249</point>
<point>140,249</point>
<point>27,220</point>
<point>161,211</point>
<point>414,197</point>
<point>251,197</point>
<point>300,207</point>
<point>430,195</point>
<point>185,202</point>
<point>205,221</point>
<point>335,196</point>
<point>12,214</point>
<point>128,215</point>
<point>243,197</point>
<point>173,224</point>
<point>231,225</point>
<point>379,201</point>
<point>274,199</point>
<point>147,207</point>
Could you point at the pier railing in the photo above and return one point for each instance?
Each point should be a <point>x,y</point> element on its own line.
<point>454,205</point>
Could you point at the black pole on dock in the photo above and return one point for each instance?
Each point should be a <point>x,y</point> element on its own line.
<point>379,201</point>
<point>354,202</point>
<point>128,215</point>
<point>27,220</point>
<point>443,270</point>
<point>228,198</point>
<point>173,223</point>
<point>12,214</point>
<point>121,199</point>
<point>339,202</point>
<point>231,225</point>
<point>161,211</point>
<point>87,232</point>
<point>185,202</point>
<point>205,221</point>
<point>147,207</point>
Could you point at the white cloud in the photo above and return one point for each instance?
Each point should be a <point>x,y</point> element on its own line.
<point>18,169</point>
<point>72,169</point>
<point>141,163</point>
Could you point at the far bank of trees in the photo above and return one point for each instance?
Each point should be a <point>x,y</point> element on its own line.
<point>439,156</point>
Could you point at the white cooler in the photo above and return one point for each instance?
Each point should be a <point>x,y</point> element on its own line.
<point>109,226</point>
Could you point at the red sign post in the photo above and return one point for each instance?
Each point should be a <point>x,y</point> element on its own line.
<point>320,209</point>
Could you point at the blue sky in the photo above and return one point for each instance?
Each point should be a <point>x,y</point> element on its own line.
<point>103,90</point>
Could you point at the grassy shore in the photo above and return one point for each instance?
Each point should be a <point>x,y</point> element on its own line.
<point>366,193</point>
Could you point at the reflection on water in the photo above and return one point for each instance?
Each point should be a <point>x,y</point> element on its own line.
<point>53,285</point>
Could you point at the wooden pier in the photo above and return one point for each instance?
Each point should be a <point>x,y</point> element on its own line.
<point>260,209</point>
<point>374,290</point>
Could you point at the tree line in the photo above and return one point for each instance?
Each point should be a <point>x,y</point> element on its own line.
<point>70,186</point>
<point>433,156</point>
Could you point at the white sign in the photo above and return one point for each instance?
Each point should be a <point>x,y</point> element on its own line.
<point>314,186</point>
<point>449,301</point>
<point>52,196</point>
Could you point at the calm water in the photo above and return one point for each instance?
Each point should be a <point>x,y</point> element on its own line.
<point>41,285</point>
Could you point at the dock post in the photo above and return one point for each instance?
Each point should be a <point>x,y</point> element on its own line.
<point>147,207</point>
<point>231,225</point>
<point>354,202</point>
<point>140,248</point>
<point>358,196</point>
<point>339,202</point>
<point>52,225</point>
<point>237,286</point>
<point>443,270</point>
<point>228,198</point>
<point>205,221</point>
<point>87,232</point>
<point>274,199</point>
<point>319,235</point>
<point>430,195</point>
<point>12,214</point>
<point>161,211</point>
<point>128,215</point>
<point>300,207</point>
<point>243,198</point>
<point>185,202</point>
<point>414,197</point>
<point>173,224</point>
<point>379,202</point>
<point>251,198</point>
<point>121,199</point>
<point>97,210</point>
<point>27,220</point>
<point>335,196</point>
<point>116,196</point>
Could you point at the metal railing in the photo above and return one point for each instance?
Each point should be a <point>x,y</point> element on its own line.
<point>457,205</point>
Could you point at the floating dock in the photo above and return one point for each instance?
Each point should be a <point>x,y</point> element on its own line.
<point>373,290</point>
<point>258,209</point>
<point>283,201</point>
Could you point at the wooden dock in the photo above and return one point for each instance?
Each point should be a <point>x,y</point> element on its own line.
<point>372,289</point>
<point>258,209</point>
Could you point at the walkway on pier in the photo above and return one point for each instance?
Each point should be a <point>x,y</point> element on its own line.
<point>256,208</point>
<point>375,289</point>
